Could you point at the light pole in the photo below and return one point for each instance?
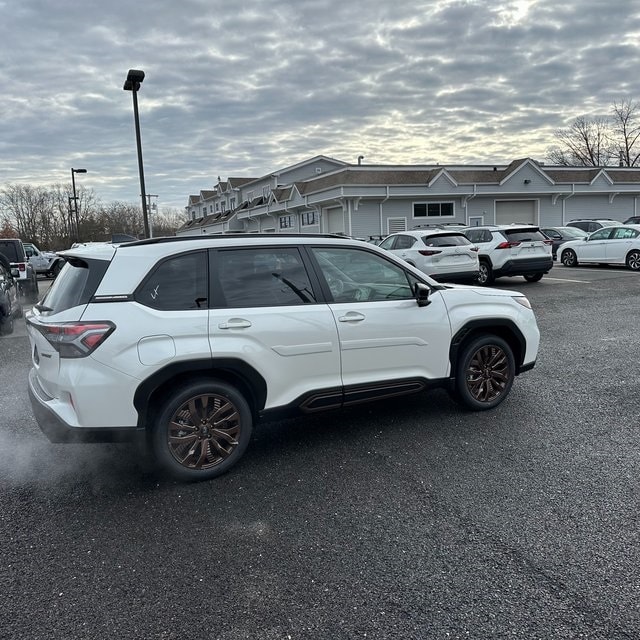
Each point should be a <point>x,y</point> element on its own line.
<point>132,83</point>
<point>149,209</point>
<point>75,199</point>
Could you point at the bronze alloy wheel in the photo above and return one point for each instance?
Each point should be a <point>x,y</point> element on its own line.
<point>485,370</point>
<point>488,374</point>
<point>201,430</point>
<point>204,431</point>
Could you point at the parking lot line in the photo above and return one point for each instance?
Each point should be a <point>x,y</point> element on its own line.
<point>568,280</point>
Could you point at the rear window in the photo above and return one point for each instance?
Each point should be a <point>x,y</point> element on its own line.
<point>453,240</point>
<point>75,285</point>
<point>524,235</point>
<point>10,250</point>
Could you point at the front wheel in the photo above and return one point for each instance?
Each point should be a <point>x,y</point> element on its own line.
<point>485,372</point>
<point>534,277</point>
<point>202,430</point>
<point>633,260</point>
<point>569,258</point>
<point>485,274</point>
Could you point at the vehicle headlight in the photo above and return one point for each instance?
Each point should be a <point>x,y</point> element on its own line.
<point>524,301</point>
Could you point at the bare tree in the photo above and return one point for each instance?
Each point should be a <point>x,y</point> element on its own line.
<point>626,132</point>
<point>586,143</point>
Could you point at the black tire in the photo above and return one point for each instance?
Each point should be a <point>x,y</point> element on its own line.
<point>569,258</point>
<point>6,321</point>
<point>485,274</point>
<point>633,260</point>
<point>485,372</point>
<point>534,277</point>
<point>31,292</point>
<point>185,441</point>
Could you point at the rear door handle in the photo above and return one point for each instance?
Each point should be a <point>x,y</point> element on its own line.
<point>352,316</point>
<point>234,323</point>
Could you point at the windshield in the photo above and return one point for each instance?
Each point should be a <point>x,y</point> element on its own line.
<point>574,232</point>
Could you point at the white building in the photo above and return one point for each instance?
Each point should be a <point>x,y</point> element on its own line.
<point>324,195</point>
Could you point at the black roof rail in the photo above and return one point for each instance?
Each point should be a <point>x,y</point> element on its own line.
<point>223,236</point>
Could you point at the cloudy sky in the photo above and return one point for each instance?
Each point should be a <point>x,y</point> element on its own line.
<point>245,87</point>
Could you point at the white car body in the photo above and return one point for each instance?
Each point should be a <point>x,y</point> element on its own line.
<point>443,254</point>
<point>98,360</point>
<point>609,245</point>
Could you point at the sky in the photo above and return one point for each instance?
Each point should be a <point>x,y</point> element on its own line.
<point>247,87</point>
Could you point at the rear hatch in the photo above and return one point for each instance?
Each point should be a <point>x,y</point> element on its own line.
<point>526,242</point>
<point>54,325</point>
<point>450,252</point>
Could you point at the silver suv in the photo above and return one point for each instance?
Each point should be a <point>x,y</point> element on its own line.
<point>511,250</point>
<point>191,341</point>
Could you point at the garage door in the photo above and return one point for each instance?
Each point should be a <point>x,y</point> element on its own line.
<point>336,220</point>
<point>522,211</point>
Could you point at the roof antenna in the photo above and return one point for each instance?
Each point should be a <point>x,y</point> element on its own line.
<point>360,159</point>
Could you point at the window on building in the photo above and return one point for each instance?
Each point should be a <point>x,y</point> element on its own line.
<point>232,203</point>
<point>433,210</point>
<point>286,222</point>
<point>217,206</point>
<point>309,218</point>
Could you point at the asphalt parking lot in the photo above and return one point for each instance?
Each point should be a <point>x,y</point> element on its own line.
<point>403,519</point>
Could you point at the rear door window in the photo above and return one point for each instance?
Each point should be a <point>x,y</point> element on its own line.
<point>10,250</point>
<point>176,284</point>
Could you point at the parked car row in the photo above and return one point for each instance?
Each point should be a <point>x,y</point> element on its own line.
<point>10,305</point>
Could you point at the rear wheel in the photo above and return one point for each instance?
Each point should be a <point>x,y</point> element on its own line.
<point>6,320</point>
<point>484,373</point>
<point>485,274</point>
<point>533,277</point>
<point>569,258</point>
<point>633,260</point>
<point>202,430</point>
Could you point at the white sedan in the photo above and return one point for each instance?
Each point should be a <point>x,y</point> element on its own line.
<point>609,245</point>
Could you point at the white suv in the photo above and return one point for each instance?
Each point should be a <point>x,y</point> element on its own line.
<point>511,250</point>
<point>190,341</point>
<point>444,255</point>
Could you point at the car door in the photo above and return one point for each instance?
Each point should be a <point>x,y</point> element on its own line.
<point>386,339</point>
<point>266,308</point>
<point>594,249</point>
<point>623,239</point>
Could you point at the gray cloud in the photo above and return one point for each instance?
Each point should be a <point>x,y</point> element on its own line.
<point>243,88</point>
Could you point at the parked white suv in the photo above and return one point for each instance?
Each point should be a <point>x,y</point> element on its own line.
<point>511,250</point>
<point>444,254</point>
<point>190,341</point>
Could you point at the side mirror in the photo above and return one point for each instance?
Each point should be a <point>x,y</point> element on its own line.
<point>421,292</point>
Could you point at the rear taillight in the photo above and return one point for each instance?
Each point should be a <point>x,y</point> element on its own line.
<point>507,245</point>
<point>548,241</point>
<point>75,339</point>
<point>22,266</point>
<point>428,252</point>
<point>474,248</point>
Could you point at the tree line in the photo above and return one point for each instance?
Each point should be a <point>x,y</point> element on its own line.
<point>46,216</point>
<point>600,141</point>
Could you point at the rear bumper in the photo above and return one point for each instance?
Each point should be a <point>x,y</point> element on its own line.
<point>458,276</point>
<point>525,267</point>
<point>57,430</point>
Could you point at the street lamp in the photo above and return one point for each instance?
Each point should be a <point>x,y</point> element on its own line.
<point>132,83</point>
<point>75,199</point>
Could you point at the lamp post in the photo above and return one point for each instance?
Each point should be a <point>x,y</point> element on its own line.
<point>132,83</point>
<point>75,199</point>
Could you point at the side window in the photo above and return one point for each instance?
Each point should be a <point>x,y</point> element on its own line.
<point>263,277</point>
<point>625,234</point>
<point>387,243</point>
<point>176,284</point>
<point>356,275</point>
<point>601,234</point>
<point>405,242</point>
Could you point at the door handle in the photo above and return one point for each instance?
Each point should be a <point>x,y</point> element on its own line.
<point>234,323</point>
<point>352,316</point>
